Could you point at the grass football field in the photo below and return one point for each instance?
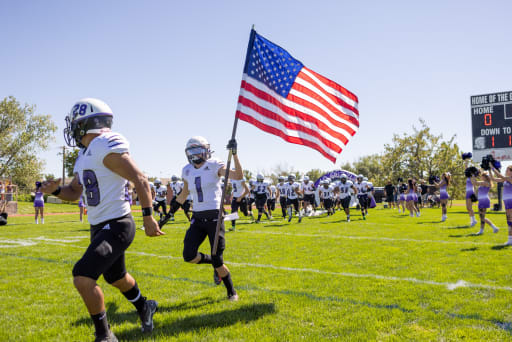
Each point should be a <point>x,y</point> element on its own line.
<point>388,278</point>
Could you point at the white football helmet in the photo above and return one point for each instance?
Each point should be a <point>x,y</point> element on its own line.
<point>306,179</point>
<point>157,182</point>
<point>260,177</point>
<point>87,116</point>
<point>365,179</point>
<point>175,178</point>
<point>281,178</point>
<point>198,150</point>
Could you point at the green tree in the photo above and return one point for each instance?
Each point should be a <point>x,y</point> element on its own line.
<point>69,161</point>
<point>22,135</point>
<point>314,174</point>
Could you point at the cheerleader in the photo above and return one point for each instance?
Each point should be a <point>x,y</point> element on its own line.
<point>443,193</point>
<point>507,196</point>
<point>39,203</point>
<point>470,195</point>
<point>81,205</point>
<point>402,189</point>
<point>484,202</point>
<point>410,198</point>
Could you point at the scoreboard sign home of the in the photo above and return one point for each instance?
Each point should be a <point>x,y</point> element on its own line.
<point>491,117</point>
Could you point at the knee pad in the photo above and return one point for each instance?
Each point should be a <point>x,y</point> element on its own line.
<point>217,261</point>
<point>189,255</point>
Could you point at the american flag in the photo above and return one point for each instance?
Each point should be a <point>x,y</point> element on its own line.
<point>281,96</point>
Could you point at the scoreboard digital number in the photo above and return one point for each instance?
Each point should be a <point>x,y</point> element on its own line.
<point>491,118</point>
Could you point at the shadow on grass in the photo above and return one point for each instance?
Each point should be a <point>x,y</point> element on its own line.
<point>119,317</point>
<point>459,227</point>
<point>472,249</point>
<point>463,235</point>
<point>499,247</point>
<point>243,314</point>
<point>430,222</point>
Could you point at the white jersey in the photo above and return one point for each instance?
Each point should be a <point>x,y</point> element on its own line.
<point>309,189</point>
<point>176,188</point>
<point>237,187</point>
<point>260,188</point>
<point>282,189</point>
<point>161,193</point>
<point>362,188</point>
<point>326,193</point>
<point>290,190</point>
<point>272,191</point>
<point>204,184</point>
<point>103,190</point>
<point>345,189</point>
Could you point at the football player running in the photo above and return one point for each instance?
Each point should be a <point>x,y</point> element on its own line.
<point>239,191</point>
<point>362,195</point>
<point>309,195</point>
<point>281,194</point>
<point>160,198</point>
<point>345,188</point>
<point>326,196</point>
<point>260,191</point>
<point>202,178</point>
<point>293,192</point>
<point>101,172</point>
<point>271,199</point>
<point>177,188</point>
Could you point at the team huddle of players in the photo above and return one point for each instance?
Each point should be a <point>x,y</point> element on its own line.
<point>301,197</point>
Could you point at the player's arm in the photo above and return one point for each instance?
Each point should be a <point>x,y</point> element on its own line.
<point>245,193</point>
<point>123,165</point>
<point>70,192</point>
<point>354,189</point>
<point>182,197</point>
<point>237,173</point>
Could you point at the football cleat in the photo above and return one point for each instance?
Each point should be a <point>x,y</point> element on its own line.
<point>110,337</point>
<point>216,278</point>
<point>149,310</point>
<point>233,297</point>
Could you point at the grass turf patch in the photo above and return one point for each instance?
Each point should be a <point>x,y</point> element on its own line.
<point>390,277</point>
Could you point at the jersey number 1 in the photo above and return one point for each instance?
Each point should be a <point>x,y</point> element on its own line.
<point>199,190</point>
<point>92,191</point>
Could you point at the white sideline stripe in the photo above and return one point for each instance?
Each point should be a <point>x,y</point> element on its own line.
<point>352,237</point>
<point>64,240</point>
<point>16,243</point>
<point>449,286</point>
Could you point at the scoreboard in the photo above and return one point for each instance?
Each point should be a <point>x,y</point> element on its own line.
<point>491,118</point>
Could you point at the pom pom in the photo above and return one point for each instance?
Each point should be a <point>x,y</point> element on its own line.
<point>496,164</point>
<point>467,155</point>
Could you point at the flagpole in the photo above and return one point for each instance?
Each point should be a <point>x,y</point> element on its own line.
<point>220,218</point>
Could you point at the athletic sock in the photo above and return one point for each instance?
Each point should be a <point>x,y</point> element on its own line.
<point>229,284</point>
<point>205,259</point>
<point>42,221</point>
<point>233,223</point>
<point>259,217</point>
<point>100,323</point>
<point>37,222</point>
<point>135,297</point>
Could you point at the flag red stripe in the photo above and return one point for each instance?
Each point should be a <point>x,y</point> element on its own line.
<point>269,98</point>
<point>275,131</point>
<point>334,98</point>
<point>334,85</point>
<point>314,95</point>
<point>289,125</point>
<point>319,110</point>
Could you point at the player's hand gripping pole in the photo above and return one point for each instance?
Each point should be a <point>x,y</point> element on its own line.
<point>220,219</point>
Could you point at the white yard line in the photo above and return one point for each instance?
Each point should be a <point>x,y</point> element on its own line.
<point>449,286</point>
<point>377,238</point>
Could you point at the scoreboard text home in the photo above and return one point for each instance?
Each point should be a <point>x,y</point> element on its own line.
<point>491,117</point>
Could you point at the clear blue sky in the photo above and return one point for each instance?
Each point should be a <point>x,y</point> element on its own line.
<point>172,69</point>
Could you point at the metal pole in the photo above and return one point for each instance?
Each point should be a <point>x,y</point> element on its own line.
<point>63,165</point>
<point>228,164</point>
